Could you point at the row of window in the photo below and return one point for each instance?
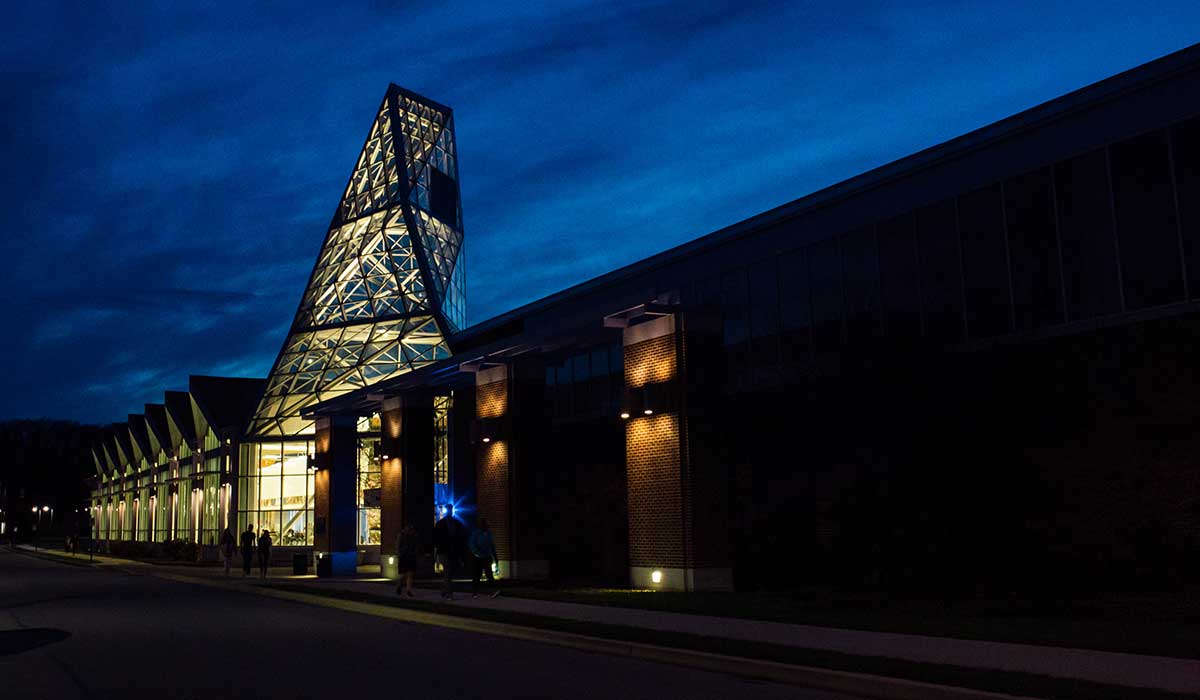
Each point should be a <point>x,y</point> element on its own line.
<point>588,382</point>
<point>152,513</point>
<point>1112,230</point>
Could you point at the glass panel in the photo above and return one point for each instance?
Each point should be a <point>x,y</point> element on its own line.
<point>735,324</point>
<point>860,264</point>
<point>764,321</point>
<point>270,485</point>
<point>1085,228</point>
<point>985,263</point>
<point>1151,270</point>
<point>1185,151</point>
<point>898,277</point>
<point>795,309</point>
<point>825,273</point>
<point>1033,250</point>
<point>941,274</point>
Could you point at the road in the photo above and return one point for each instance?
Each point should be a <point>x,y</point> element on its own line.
<point>76,632</point>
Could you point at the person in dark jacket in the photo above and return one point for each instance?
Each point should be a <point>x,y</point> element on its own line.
<point>483,554</point>
<point>407,544</point>
<point>228,548</point>
<point>247,550</point>
<point>264,552</point>
<point>447,545</point>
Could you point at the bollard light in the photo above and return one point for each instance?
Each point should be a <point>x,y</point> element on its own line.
<point>656,576</point>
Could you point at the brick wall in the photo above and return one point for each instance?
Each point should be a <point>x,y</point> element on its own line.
<point>492,472</point>
<point>392,515</point>
<point>655,501</point>
<point>653,469</point>
<point>650,361</point>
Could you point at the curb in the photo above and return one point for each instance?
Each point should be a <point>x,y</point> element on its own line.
<point>873,686</point>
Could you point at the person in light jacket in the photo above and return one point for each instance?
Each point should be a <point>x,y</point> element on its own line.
<point>483,554</point>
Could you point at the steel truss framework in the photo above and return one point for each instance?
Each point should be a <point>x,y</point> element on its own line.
<point>389,283</point>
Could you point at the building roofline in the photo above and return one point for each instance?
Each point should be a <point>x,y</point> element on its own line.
<point>1105,90</point>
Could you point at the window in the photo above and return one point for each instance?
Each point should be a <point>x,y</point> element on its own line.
<point>1033,250</point>
<point>900,289</point>
<point>1085,227</point>
<point>1185,152</point>
<point>276,491</point>
<point>825,272</point>
<point>795,309</point>
<point>941,274</point>
<point>985,263</point>
<point>370,485</point>
<point>735,323</point>
<point>764,322</point>
<point>580,376</point>
<point>1144,205</point>
<point>861,265</point>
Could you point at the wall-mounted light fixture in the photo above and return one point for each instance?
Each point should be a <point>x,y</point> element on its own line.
<point>486,430</point>
<point>624,415</point>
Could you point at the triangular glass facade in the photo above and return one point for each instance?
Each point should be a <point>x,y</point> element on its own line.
<point>388,285</point>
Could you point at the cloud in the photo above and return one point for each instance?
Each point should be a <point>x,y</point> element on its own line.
<point>172,171</point>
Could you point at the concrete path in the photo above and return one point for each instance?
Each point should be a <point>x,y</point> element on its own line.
<point>1172,674</point>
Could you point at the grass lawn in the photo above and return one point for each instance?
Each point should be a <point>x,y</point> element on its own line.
<point>1164,625</point>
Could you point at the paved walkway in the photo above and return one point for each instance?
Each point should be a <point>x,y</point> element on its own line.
<point>1177,675</point>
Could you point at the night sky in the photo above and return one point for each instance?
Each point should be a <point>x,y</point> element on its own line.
<point>169,176</point>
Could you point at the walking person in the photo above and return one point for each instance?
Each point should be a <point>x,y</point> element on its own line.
<point>247,550</point>
<point>483,553</point>
<point>447,545</point>
<point>264,552</point>
<point>228,547</point>
<point>407,545</point>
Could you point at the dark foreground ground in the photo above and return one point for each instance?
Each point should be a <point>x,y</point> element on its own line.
<point>74,632</point>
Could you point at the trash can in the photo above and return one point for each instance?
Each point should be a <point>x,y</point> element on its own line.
<point>299,564</point>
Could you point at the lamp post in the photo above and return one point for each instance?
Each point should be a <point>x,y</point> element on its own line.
<point>36,527</point>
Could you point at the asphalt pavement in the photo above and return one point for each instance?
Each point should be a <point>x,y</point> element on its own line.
<point>77,632</point>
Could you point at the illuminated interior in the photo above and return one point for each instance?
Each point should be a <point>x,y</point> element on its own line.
<point>388,285</point>
<point>276,491</point>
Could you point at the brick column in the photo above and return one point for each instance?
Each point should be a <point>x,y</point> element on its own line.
<point>336,507</point>
<point>678,513</point>
<point>506,467</point>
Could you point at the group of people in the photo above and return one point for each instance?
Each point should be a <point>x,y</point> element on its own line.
<point>249,543</point>
<point>451,545</point>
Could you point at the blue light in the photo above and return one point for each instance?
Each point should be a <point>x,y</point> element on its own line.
<point>444,499</point>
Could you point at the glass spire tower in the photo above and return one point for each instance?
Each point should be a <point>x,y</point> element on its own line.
<point>389,284</point>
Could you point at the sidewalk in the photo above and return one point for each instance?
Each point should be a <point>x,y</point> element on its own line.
<point>1176,675</point>
<point>1169,674</point>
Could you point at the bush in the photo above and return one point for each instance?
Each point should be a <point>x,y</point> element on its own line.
<point>179,550</point>
<point>131,550</point>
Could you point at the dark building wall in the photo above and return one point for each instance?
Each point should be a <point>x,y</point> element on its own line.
<point>1070,461</point>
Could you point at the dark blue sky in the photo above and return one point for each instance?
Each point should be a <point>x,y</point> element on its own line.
<point>169,175</point>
